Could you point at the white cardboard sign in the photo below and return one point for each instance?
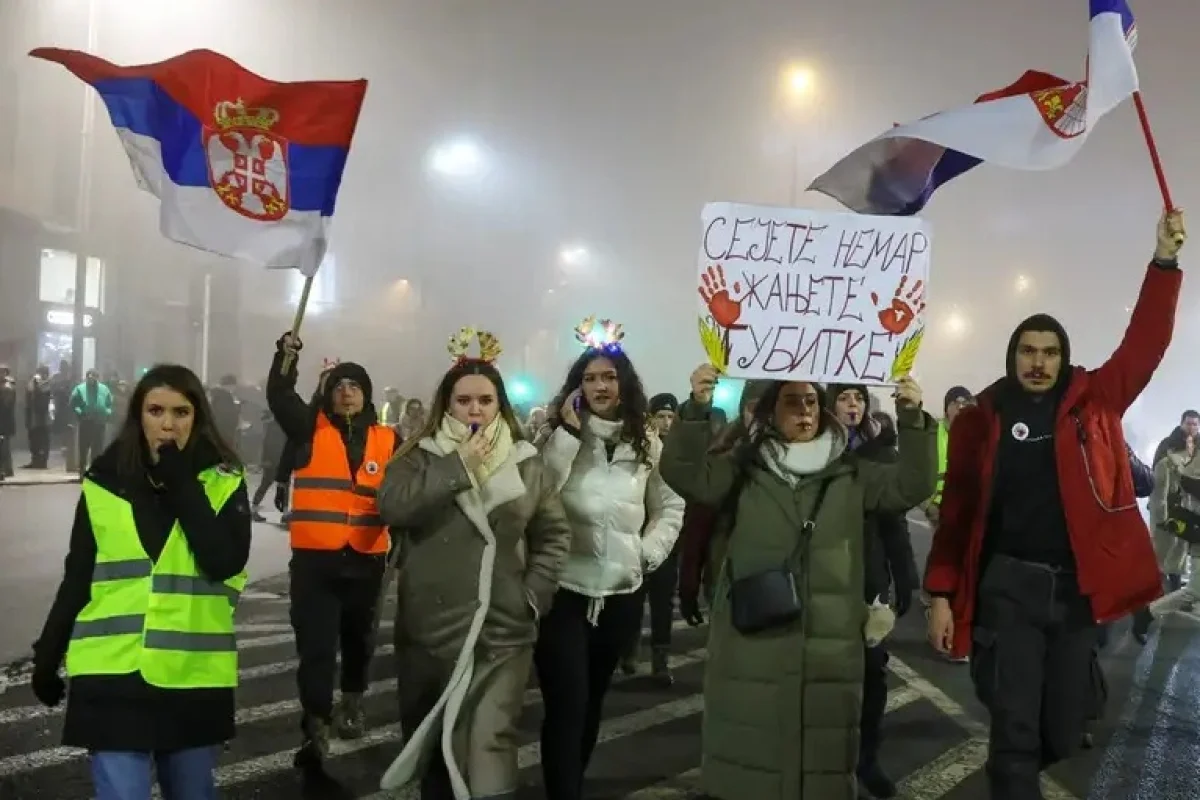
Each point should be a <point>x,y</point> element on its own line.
<point>791,294</point>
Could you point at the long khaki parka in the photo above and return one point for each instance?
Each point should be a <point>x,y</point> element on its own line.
<point>781,707</point>
<point>477,569</point>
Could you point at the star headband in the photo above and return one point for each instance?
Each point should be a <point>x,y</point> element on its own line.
<point>601,334</point>
<point>460,344</point>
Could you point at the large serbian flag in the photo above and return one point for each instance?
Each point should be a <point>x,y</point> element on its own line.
<point>243,166</point>
<point>1039,122</point>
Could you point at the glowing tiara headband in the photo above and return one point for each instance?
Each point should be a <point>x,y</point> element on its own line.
<point>600,334</point>
<point>460,345</point>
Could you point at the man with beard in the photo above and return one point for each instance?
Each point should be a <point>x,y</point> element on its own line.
<point>1040,536</point>
<point>888,561</point>
<point>339,543</point>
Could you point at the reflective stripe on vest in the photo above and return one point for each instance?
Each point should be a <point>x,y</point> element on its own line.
<point>943,447</point>
<point>162,619</point>
<point>332,509</point>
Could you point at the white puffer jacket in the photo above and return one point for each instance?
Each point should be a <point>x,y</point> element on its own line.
<point>624,519</point>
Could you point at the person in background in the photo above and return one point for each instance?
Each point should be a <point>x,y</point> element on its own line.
<point>535,423</point>
<point>660,585</point>
<point>144,614</point>
<point>888,562</point>
<point>705,531</point>
<point>8,420</point>
<point>62,423</point>
<point>227,409</point>
<point>624,521</point>
<point>1175,513</point>
<point>339,542</point>
<point>38,419</point>
<point>92,405</point>
<point>783,683</point>
<point>1041,537</point>
<point>121,392</point>
<point>393,405</point>
<point>274,441</point>
<point>956,399</point>
<point>1189,423</point>
<point>413,421</point>
<point>476,511</point>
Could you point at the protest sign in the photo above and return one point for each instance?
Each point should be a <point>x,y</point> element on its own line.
<point>789,294</point>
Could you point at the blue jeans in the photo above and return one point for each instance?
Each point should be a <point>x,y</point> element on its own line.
<point>182,774</point>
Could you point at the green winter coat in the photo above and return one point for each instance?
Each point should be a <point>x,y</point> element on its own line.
<point>781,708</point>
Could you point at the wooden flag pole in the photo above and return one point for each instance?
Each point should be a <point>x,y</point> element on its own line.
<point>289,357</point>
<point>1155,161</point>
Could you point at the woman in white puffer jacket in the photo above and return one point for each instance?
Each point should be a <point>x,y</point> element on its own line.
<point>624,521</point>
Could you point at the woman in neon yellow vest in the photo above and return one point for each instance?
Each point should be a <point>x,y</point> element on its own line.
<point>144,615</point>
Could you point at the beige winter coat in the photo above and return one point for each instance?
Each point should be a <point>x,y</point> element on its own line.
<point>1172,551</point>
<point>478,567</point>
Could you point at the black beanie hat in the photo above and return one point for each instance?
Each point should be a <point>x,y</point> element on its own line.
<point>955,394</point>
<point>663,402</point>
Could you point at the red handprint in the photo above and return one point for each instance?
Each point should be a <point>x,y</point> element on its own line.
<point>896,317</point>
<point>715,294</point>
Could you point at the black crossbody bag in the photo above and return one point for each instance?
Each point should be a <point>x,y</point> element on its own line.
<point>771,598</point>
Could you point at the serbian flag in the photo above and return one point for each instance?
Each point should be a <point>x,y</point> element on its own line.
<point>243,166</point>
<point>1039,122</point>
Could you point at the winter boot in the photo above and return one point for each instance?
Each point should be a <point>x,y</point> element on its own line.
<point>874,783</point>
<point>660,669</point>
<point>314,747</point>
<point>349,717</point>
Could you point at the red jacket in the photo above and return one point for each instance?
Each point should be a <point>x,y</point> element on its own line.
<point>1113,552</point>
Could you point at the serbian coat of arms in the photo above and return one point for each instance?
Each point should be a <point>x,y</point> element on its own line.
<point>1063,108</point>
<point>247,162</point>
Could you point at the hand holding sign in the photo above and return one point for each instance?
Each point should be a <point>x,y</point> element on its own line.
<point>704,381</point>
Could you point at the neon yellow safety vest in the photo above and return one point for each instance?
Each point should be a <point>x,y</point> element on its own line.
<point>161,618</point>
<point>943,444</point>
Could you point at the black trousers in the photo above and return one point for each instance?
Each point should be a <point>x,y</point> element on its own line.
<point>659,590</point>
<point>6,461</point>
<point>39,446</point>
<point>264,485</point>
<point>91,442</point>
<point>874,705</point>
<point>1033,645</point>
<point>575,661</point>
<point>332,611</point>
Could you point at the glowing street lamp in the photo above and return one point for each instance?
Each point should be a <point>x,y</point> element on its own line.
<point>956,324</point>
<point>1023,284</point>
<point>461,158</point>
<point>799,81</point>
<point>573,256</point>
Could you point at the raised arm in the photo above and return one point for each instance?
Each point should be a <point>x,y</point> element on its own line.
<point>911,480</point>
<point>1120,380</point>
<point>289,409</point>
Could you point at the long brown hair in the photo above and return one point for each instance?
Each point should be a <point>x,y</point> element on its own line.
<point>634,408</point>
<point>132,451</point>
<point>441,402</point>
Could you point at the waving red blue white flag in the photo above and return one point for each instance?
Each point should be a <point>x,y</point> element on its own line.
<point>243,166</point>
<point>1039,122</point>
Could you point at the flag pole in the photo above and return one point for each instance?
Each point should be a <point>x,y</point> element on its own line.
<point>289,357</point>
<point>1151,146</point>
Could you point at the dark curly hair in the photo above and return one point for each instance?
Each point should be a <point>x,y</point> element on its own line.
<point>634,408</point>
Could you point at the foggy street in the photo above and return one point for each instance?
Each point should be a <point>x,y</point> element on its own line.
<point>935,733</point>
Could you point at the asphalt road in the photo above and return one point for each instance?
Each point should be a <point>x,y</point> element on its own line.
<point>650,740</point>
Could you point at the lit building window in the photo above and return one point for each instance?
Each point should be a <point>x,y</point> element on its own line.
<point>56,282</point>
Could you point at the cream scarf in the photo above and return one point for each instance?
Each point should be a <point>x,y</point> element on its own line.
<point>451,434</point>
<point>792,461</point>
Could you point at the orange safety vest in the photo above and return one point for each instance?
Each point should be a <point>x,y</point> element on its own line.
<point>332,509</point>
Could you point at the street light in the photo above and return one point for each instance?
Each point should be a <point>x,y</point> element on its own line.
<point>799,81</point>
<point>460,158</point>
<point>573,256</point>
<point>1023,284</point>
<point>956,324</point>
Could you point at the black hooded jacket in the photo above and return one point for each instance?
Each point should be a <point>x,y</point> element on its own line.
<point>887,545</point>
<point>123,712</point>
<point>1026,519</point>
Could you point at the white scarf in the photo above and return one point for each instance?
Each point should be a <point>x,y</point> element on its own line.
<point>793,460</point>
<point>607,429</point>
<point>452,433</point>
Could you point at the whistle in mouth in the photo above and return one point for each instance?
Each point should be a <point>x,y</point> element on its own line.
<point>474,427</point>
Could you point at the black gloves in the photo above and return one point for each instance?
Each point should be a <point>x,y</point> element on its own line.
<point>281,498</point>
<point>48,686</point>
<point>903,591</point>
<point>689,609</point>
<point>173,469</point>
